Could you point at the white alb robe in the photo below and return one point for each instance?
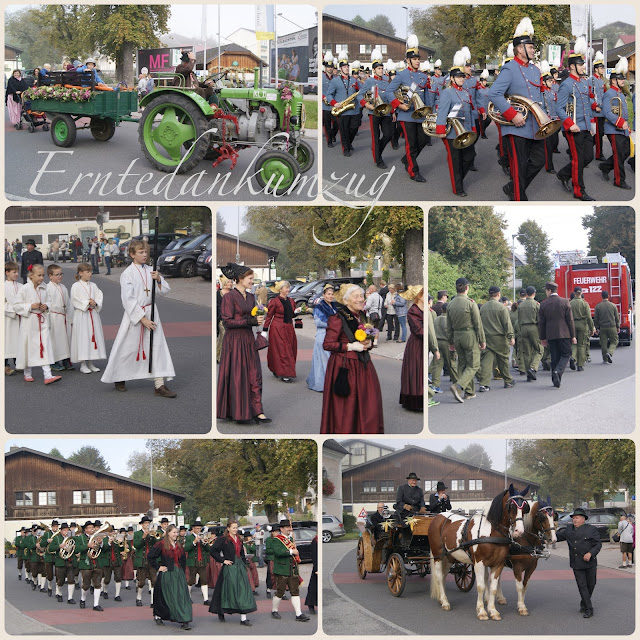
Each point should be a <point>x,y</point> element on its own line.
<point>87,339</point>
<point>11,319</point>
<point>34,348</point>
<point>129,357</point>
<point>60,320</point>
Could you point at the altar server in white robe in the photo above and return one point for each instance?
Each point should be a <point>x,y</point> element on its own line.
<point>34,343</point>
<point>129,357</point>
<point>11,319</point>
<point>59,319</point>
<point>87,339</point>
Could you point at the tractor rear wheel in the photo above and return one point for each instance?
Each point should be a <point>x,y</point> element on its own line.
<point>167,124</point>
<point>278,169</point>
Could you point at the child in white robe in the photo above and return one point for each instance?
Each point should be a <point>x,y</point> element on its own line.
<point>34,348</point>
<point>87,339</point>
<point>59,319</point>
<point>11,318</point>
<point>129,357</point>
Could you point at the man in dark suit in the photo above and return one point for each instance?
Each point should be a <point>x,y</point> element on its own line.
<point>557,330</point>
<point>439,501</point>
<point>30,258</point>
<point>410,497</point>
<point>584,544</point>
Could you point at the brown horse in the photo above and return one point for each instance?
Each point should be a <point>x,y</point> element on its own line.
<point>482,541</point>
<point>539,527</point>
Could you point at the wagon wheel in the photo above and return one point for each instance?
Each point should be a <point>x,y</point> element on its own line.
<point>63,130</point>
<point>168,131</point>
<point>276,168</point>
<point>362,572</point>
<point>103,129</point>
<point>303,153</point>
<point>464,576</point>
<point>396,575</point>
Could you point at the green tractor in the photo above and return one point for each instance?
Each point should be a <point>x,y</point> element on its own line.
<point>179,128</point>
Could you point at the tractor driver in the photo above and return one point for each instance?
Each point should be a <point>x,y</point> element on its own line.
<point>185,69</point>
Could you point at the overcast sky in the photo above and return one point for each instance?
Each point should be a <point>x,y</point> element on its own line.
<point>602,14</point>
<point>231,215</point>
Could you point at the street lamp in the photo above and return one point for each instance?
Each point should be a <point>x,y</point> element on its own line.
<point>406,23</point>
<point>291,21</point>
<point>513,259</point>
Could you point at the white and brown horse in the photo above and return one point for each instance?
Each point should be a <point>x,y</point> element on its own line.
<point>482,541</point>
<point>539,528</point>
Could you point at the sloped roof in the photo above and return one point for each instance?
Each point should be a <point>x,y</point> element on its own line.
<point>626,50</point>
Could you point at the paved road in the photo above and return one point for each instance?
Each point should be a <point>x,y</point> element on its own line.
<point>552,599</point>
<point>118,170</point>
<point>484,185</point>
<point>294,408</point>
<point>80,403</point>
<point>30,612</point>
<point>582,404</point>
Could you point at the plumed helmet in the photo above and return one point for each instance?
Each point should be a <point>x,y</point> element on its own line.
<point>343,57</point>
<point>413,45</point>
<point>524,32</point>
<point>622,67</point>
<point>579,53</point>
<point>376,58</point>
<point>328,59</point>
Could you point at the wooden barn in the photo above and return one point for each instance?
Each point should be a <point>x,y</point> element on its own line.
<point>252,254</point>
<point>231,55</point>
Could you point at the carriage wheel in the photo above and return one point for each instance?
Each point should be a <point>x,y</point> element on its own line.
<point>464,576</point>
<point>396,575</point>
<point>362,572</point>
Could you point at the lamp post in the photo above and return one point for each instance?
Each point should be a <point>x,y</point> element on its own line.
<point>406,23</point>
<point>513,259</point>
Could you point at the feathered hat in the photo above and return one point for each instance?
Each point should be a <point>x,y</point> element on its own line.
<point>467,55</point>
<point>509,55</point>
<point>458,64</point>
<point>620,72</point>
<point>390,65</point>
<point>437,64</point>
<point>356,65</point>
<point>328,59</point>
<point>343,57</point>
<point>376,58</point>
<point>598,61</point>
<point>485,74</point>
<point>523,33</point>
<point>579,53</point>
<point>412,291</point>
<point>545,69</point>
<point>335,62</point>
<point>412,47</point>
<point>234,271</point>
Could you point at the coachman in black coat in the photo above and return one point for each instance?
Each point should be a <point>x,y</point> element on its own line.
<point>410,499</point>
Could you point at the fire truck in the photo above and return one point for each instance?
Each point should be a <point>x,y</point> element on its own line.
<point>610,274</point>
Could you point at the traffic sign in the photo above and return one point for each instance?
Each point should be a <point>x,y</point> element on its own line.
<point>363,513</point>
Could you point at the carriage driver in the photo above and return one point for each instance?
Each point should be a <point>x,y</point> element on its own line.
<point>410,497</point>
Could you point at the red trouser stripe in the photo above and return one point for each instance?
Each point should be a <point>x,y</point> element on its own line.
<point>450,163</point>
<point>513,166</point>
<point>574,165</point>
<point>546,156</point>
<point>616,165</point>
<point>373,139</point>
<point>407,149</point>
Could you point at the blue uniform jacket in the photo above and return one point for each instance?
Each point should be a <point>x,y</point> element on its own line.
<point>482,98</point>
<point>325,89</point>
<point>340,88</point>
<point>550,102</point>
<point>407,77</point>
<point>613,123</point>
<point>449,98</point>
<point>580,88</point>
<point>520,79</point>
<point>471,85</point>
<point>596,93</point>
<point>437,87</point>
<point>383,91</point>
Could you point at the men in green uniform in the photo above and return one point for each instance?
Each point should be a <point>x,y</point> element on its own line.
<point>47,558</point>
<point>518,360</point>
<point>466,336</point>
<point>584,328</point>
<point>90,571</point>
<point>18,543</point>
<point>64,568</point>
<point>528,323</point>
<point>110,561</point>
<point>197,559</point>
<point>446,356</point>
<point>433,348</point>
<point>498,333</point>
<point>35,556</point>
<point>142,542</point>
<point>285,569</point>
<point>607,320</point>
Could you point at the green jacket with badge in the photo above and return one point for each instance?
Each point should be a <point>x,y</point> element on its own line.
<point>283,562</point>
<point>44,543</point>
<point>85,562</point>
<point>191,546</point>
<point>142,547</point>
<point>268,548</point>
<point>54,548</point>
<point>30,549</point>
<point>110,554</point>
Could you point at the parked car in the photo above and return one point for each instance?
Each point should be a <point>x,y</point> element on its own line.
<point>183,262</point>
<point>309,291</point>
<point>178,243</point>
<point>331,528</point>
<point>203,264</point>
<point>303,537</point>
<point>163,241</point>
<point>601,518</point>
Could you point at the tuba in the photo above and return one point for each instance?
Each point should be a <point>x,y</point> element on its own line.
<point>420,110</point>
<point>98,536</point>
<point>67,548</point>
<point>345,105</point>
<point>39,550</point>
<point>380,107</point>
<point>524,106</point>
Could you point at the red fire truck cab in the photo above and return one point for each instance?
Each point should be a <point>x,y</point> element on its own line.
<point>611,274</point>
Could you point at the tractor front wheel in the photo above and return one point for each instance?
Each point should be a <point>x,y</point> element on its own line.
<point>303,153</point>
<point>63,130</point>
<point>103,129</point>
<point>278,170</point>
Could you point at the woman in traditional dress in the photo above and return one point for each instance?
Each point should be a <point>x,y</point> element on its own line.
<point>323,310</point>
<point>352,399</point>
<point>412,379</point>
<point>171,594</point>
<point>226,286</point>
<point>232,593</point>
<point>240,372</point>
<point>312,592</point>
<point>283,344</point>
<point>13,96</point>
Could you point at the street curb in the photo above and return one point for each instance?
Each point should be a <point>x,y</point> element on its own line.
<point>44,628</point>
<point>359,607</point>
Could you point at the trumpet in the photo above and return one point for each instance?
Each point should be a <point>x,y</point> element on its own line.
<point>525,106</point>
<point>420,110</point>
<point>345,105</point>
<point>616,109</point>
<point>571,107</point>
<point>380,107</point>
<point>156,534</point>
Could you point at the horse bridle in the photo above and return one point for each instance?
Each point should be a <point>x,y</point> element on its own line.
<point>520,503</point>
<point>549,512</point>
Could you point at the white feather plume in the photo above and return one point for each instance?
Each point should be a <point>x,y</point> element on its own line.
<point>525,27</point>
<point>399,66</point>
<point>599,57</point>
<point>423,66</point>
<point>485,74</point>
<point>459,59</point>
<point>467,54</point>
<point>438,63</point>
<point>412,41</point>
<point>328,57</point>
<point>335,61</point>
<point>343,56</point>
<point>390,65</point>
<point>581,46</point>
<point>376,54</point>
<point>622,66</point>
<point>356,64</point>
<point>510,50</point>
<point>545,68</point>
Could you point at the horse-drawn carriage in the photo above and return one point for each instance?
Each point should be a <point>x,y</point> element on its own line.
<point>401,548</point>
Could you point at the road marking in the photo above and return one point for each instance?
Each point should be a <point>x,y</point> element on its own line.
<point>367,612</point>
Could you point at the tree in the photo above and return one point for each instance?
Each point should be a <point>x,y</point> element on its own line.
<point>538,269</point>
<point>449,451</point>
<point>359,21</point>
<point>382,24</point>
<point>196,219</point>
<point>139,466</point>
<point>442,274</point>
<point>55,452</point>
<point>89,457</point>
<point>221,224</point>
<point>476,454</point>
<point>612,230</point>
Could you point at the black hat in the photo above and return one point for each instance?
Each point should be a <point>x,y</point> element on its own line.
<point>31,241</point>
<point>284,523</point>
<point>88,523</point>
<point>24,529</point>
<point>122,530</point>
<point>577,290</point>
<point>234,271</point>
<point>523,292</point>
<point>551,286</point>
<point>34,527</point>
<point>579,512</point>
<point>523,33</point>
<point>461,281</point>
<point>247,535</point>
<point>430,298</point>
<point>530,290</point>
<point>197,523</point>
<point>183,528</point>
<point>413,476</point>
<point>130,528</point>
<point>493,290</point>
<point>392,72</point>
<point>97,523</point>
<point>440,486</point>
<point>54,523</point>
<point>145,519</point>
<point>165,519</point>
<point>72,524</point>
<point>185,56</point>
<point>553,70</point>
<point>64,525</point>
<point>457,73</point>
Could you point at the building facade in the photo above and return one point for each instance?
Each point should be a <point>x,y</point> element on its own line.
<point>332,456</point>
<point>259,257</point>
<point>361,451</point>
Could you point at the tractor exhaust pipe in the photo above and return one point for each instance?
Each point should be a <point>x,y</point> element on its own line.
<point>257,80</point>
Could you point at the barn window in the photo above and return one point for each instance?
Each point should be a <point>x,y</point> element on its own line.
<point>369,486</point>
<point>47,498</point>
<point>475,485</point>
<point>430,485</point>
<point>358,451</point>
<point>82,497</point>
<point>24,498</point>
<point>386,486</point>
<point>457,485</point>
<point>104,496</point>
